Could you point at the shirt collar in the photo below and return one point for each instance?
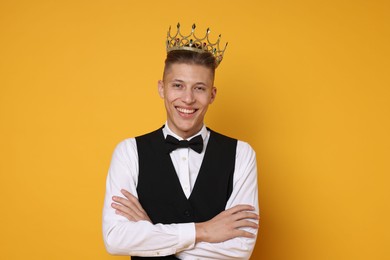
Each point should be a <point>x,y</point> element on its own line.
<point>167,131</point>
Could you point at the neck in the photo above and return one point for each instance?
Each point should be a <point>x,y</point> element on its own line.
<point>184,134</point>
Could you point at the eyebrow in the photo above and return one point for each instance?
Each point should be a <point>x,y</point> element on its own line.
<point>201,83</point>
<point>179,80</point>
<point>182,81</point>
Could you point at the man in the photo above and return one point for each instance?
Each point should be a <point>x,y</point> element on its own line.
<point>183,191</point>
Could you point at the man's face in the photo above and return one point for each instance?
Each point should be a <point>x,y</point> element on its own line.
<point>187,91</point>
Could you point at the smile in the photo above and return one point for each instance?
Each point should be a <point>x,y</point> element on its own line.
<point>185,110</point>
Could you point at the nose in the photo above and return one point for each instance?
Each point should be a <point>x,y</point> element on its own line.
<point>188,96</point>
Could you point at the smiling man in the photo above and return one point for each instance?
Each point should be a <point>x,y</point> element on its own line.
<point>183,191</point>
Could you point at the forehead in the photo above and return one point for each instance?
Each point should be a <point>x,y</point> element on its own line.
<point>188,72</point>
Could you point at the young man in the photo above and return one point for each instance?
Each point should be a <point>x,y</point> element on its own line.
<point>183,191</point>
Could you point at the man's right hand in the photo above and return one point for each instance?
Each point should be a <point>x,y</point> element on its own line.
<point>129,207</point>
<point>227,225</point>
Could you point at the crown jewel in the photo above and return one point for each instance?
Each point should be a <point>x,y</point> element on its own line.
<point>190,42</point>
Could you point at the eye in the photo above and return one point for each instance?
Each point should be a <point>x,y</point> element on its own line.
<point>176,85</point>
<point>200,88</point>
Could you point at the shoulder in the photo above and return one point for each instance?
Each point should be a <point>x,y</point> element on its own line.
<point>245,152</point>
<point>125,148</point>
<point>246,162</point>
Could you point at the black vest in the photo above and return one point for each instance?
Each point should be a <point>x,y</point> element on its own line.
<point>159,189</point>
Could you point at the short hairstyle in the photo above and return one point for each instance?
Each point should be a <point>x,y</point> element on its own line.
<point>205,59</point>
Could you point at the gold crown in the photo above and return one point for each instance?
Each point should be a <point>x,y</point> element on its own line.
<point>192,43</point>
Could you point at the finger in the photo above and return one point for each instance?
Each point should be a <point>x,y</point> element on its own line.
<point>126,202</point>
<point>124,209</point>
<point>120,200</point>
<point>245,215</point>
<point>121,213</point>
<point>134,200</point>
<point>127,194</point>
<point>239,208</point>
<point>131,208</point>
<point>243,233</point>
<point>245,224</point>
<point>128,213</point>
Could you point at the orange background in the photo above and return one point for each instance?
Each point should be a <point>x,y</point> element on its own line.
<point>305,82</point>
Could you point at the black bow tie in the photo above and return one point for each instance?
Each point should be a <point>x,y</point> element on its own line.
<point>195,143</point>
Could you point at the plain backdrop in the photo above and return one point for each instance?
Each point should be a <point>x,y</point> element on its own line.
<point>306,83</point>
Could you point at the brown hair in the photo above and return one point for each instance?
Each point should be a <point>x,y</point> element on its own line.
<point>205,59</point>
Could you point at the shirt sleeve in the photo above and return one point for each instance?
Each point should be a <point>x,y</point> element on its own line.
<point>142,238</point>
<point>245,191</point>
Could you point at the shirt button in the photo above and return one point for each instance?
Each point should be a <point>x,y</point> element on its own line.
<point>184,158</point>
<point>187,213</point>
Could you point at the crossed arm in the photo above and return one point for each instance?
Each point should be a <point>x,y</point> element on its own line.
<point>127,229</point>
<point>222,227</point>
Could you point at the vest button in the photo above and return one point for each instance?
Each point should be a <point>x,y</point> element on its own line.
<point>187,213</point>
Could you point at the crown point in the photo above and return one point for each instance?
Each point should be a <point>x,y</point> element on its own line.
<point>178,25</point>
<point>194,26</point>
<point>208,30</point>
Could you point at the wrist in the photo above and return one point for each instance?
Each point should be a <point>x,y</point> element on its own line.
<point>200,232</point>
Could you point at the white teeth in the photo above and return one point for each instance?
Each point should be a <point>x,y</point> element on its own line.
<point>186,111</point>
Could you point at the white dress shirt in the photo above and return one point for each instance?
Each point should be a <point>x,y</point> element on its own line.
<point>142,238</point>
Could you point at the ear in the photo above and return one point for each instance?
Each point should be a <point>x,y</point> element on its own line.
<point>160,87</point>
<point>213,94</point>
